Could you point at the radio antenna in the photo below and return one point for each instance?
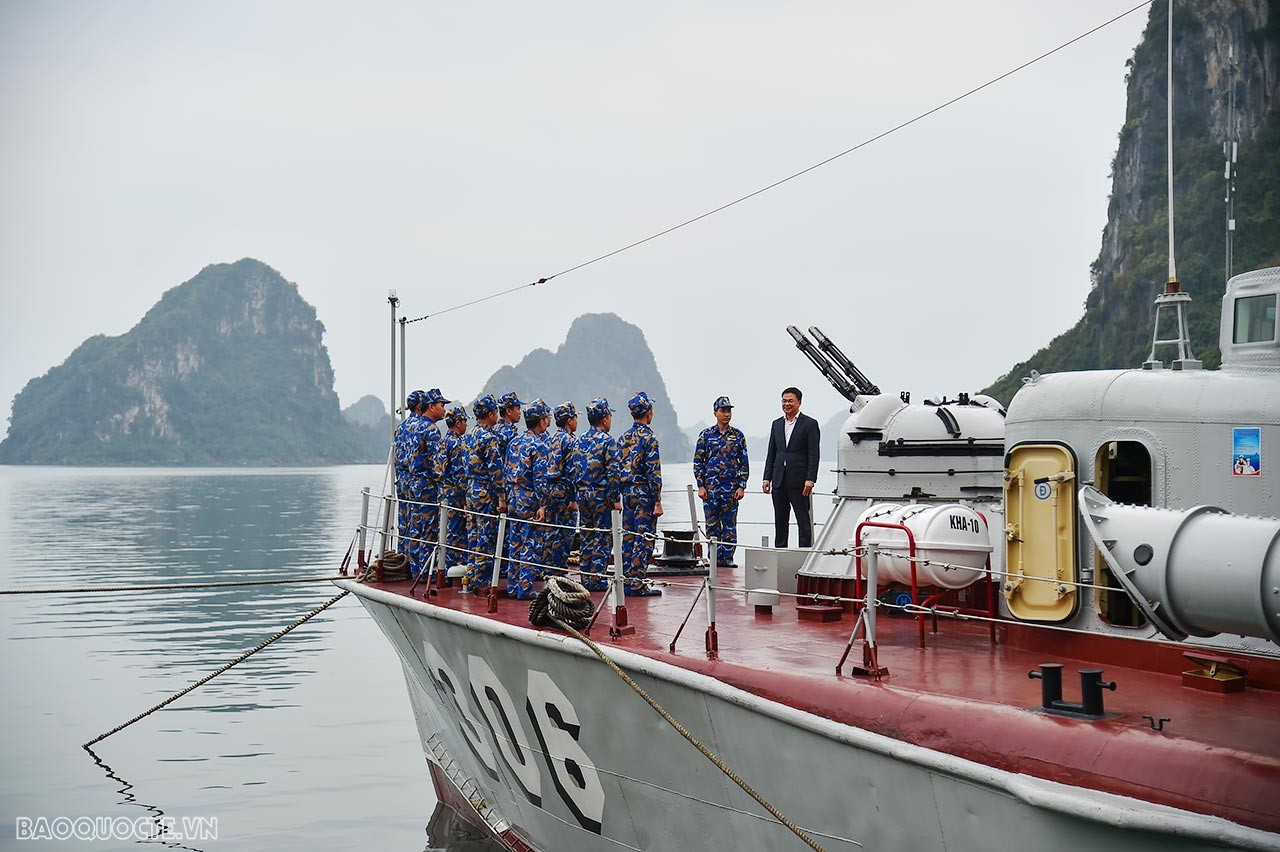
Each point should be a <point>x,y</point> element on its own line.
<point>1173,269</point>
<point>1229,147</point>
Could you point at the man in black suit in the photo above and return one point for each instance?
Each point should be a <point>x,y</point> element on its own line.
<point>791,468</point>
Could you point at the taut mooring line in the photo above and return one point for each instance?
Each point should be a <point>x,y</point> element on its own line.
<point>202,681</point>
<point>169,587</point>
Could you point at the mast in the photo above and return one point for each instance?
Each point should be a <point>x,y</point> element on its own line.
<point>1173,297</point>
<point>1173,269</point>
<point>394,302</point>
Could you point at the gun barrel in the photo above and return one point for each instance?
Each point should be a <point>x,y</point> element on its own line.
<point>855,377</point>
<point>819,360</point>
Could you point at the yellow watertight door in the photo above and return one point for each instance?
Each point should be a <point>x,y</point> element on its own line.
<point>1040,537</point>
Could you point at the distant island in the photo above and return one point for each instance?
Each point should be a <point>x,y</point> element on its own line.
<point>602,355</point>
<point>228,368</point>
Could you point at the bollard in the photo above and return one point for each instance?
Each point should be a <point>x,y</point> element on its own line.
<point>362,561</point>
<point>497,563</point>
<point>713,638</point>
<point>620,626</point>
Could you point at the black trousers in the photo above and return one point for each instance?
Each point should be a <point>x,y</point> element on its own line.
<point>784,501</point>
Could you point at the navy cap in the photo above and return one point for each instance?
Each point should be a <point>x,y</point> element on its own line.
<point>721,402</point>
<point>536,409</point>
<point>455,415</point>
<point>564,412</point>
<point>509,399</point>
<point>598,408</point>
<point>434,396</point>
<point>416,399</point>
<point>484,405</point>
<point>640,404</point>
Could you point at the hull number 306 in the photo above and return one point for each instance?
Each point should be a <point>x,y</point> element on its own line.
<point>481,702</point>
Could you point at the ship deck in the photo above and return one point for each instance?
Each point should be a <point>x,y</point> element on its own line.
<point>965,695</point>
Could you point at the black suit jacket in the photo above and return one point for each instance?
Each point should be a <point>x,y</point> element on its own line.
<point>790,465</point>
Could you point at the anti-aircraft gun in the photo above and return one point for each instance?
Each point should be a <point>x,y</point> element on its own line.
<point>834,365</point>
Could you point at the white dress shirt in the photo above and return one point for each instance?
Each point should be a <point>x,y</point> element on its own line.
<point>787,427</point>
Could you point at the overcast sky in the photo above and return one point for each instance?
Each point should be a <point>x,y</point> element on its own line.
<point>450,150</point>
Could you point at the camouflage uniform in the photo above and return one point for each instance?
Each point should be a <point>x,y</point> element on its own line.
<point>525,477</point>
<point>641,489</point>
<point>506,431</point>
<point>484,485</point>
<point>419,469</point>
<point>597,474</point>
<point>560,489</point>
<point>453,489</point>
<point>720,466</point>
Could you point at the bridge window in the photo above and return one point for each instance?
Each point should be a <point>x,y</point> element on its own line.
<point>1255,320</point>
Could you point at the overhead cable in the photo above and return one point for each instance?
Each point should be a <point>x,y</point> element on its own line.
<point>793,176</point>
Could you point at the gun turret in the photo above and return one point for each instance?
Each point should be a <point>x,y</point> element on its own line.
<point>838,380</point>
<point>852,373</point>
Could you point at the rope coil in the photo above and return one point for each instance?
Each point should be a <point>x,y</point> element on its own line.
<point>562,600</point>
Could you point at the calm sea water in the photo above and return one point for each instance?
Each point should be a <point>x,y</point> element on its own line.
<point>308,745</point>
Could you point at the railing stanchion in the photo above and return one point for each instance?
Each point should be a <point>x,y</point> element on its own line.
<point>497,563</point>
<point>713,638</point>
<point>870,652</point>
<point>693,516</point>
<point>442,547</point>
<point>620,626</point>
<point>866,621</point>
<point>362,561</point>
<point>390,504</point>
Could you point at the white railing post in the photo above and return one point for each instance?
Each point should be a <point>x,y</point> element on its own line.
<point>620,625</point>
<point>442,546</point>
<point>497,563</point>
<point>693,512</point>
<point>361,560</point>
<point>873,560</point>
<point>713,638</point>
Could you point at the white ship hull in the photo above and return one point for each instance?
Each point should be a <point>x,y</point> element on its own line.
<point>547,740</point>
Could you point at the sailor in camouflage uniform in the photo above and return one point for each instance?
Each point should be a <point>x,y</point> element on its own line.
<point>507,430</point>
<point>525,477</point>
<point>508,420</point>
<point>408,446</point>
<point>721,472</point>
<point>562,505</point>
<point>419,468</point>
<point>485,497</point>
<point>597,473</point>
<point>641,494</point>
<point>453,489</point>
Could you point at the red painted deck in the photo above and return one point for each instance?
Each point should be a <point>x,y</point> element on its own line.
<point>1218,754</point>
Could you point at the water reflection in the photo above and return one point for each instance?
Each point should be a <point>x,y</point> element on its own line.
<point>335,765</point>
<point>128,798</point>
<point>85,528</point>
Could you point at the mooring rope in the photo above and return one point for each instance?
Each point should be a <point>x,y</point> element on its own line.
<point>202,681</point>
<point>168,587</point>
<point>684,732</point>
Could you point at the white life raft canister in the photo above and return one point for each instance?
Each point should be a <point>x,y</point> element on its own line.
<point>945,532</point>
